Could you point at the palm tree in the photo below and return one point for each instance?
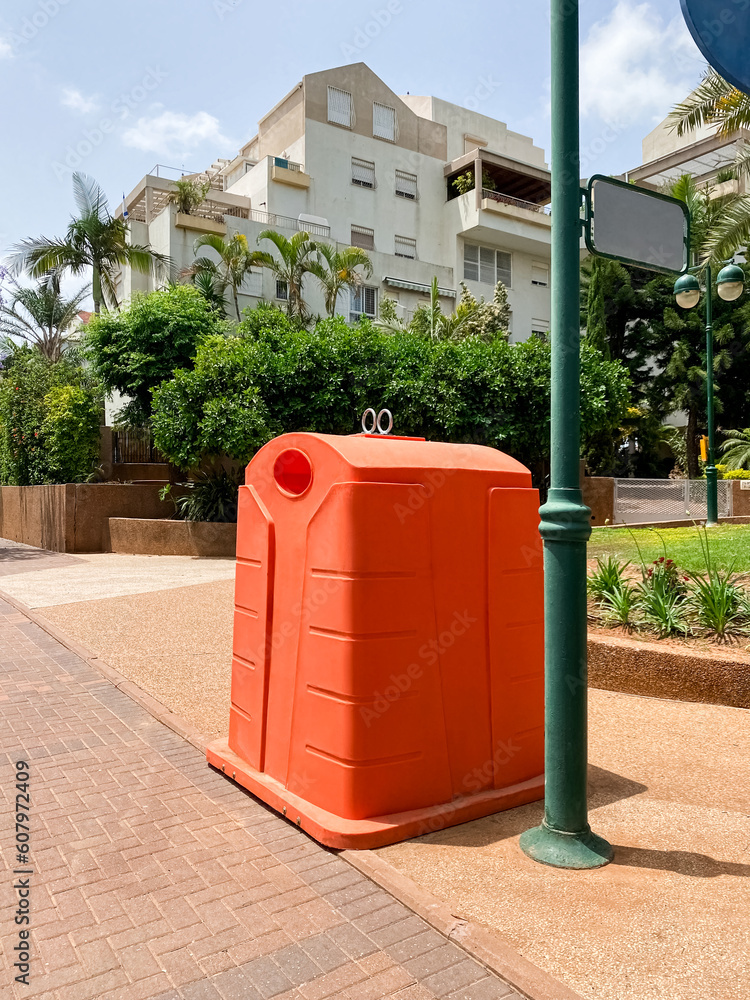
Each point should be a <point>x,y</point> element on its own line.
<point>713,102</point>
<point>736,449</point>
<point>717,102</point>
<point>296,257</point>
<point>41,316</point>
<point>236,261</point>
<point>94,239</point>
<point>719,226</point>
<point>336,270</point>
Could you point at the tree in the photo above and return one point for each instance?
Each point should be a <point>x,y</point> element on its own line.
<point>94,239</point>
<point>632,315</point>
<point>736,449</point>
<point>336,270</point>
<point>135,350</point>
<point>713,102</point>
<point>235,262</point>
<point>41,316</point>
<point>290,267</point>
<point>472,317</point>
<point>717,102</point>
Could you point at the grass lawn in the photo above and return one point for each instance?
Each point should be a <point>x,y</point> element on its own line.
<point>727,544</point>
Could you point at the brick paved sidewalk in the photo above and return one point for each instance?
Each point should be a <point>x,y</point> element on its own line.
<point>154,876</point>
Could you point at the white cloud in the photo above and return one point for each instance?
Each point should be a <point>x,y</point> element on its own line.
<point>171,132</point>
<point>6,49</point>
<point>75,101</point>
<point>636,66</point>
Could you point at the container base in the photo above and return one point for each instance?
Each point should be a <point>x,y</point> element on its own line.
<point>378,831</point>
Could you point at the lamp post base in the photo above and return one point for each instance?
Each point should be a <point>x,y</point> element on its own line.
<point>566,850</point>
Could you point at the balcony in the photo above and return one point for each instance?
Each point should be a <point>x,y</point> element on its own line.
<point>496,201</point>
<point>287,172</point>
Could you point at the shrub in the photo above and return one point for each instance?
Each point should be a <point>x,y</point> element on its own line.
<point>70,432</point>
<point>209,496</point>
<point>276,377</point>
<point>49,419</point>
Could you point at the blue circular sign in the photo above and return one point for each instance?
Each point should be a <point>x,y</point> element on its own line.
<point>722,32</point>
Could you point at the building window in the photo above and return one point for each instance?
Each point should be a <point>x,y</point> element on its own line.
<point>540,274</point>
<point>363,237</point>
<point>384,122</point>
<point>363,302</point>
<point>540,328</point>
<point>406,247</point>
<point>254,284</point>
<point>504,268</point>
<point>363,173</point>
<point>406,185</point>
<point>282,290</point>
<point>339,107</point>
<point>487,265</point>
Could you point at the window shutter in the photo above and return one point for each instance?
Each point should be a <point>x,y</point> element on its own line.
<point>363,173</point>
<point>539,274</point>
<point>406,247</point>
<point>363,238</point>
<point>339,107</point>
<point>406,185</point>
<point>471,262</point>
<point>504,268</point>
<point>486,266</point>
<point>384,122</point>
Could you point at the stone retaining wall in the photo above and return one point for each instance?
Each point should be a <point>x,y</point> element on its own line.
<point>172,538</point>
<point>74,517</point>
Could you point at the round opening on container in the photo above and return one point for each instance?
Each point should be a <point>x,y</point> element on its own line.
<point>293,472</point>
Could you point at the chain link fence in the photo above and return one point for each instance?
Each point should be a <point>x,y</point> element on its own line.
<point>639,501</point>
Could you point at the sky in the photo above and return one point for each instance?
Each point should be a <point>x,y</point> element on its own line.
<point>112,88</point>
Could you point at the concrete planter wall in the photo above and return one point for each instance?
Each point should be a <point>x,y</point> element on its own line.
<point>640,667</point>
<point>172,538</point>
<point>74,517</point>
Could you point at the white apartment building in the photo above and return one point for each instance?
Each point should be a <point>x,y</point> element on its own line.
<point>702,153</point>
<point>346,159</point>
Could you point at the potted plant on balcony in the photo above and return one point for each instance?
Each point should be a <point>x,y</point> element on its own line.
<point>188,195</point>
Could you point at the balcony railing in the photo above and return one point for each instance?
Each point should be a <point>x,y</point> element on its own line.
<point>286,222</point>
<point>516,202</point>
<point>279,161</point>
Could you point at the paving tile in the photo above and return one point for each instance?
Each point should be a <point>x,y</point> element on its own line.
<point>267,977</point>
<point>163,881</point>
<point>457,977</point>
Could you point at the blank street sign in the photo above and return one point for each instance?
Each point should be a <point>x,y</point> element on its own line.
<point>722,33</point>
<point>636,226</point>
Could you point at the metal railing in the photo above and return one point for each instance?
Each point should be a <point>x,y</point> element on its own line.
<point>279,161</point>
<point>506,199</point>
<point>639,501</point>
<point>286,222</point>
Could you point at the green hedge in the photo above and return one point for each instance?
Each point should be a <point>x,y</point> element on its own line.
<point>275,378</point>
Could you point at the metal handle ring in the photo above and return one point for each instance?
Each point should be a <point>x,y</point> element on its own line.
<point>389,428</point>
<point>373,426</point>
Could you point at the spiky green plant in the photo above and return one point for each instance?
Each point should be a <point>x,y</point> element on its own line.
<point>339,270</point>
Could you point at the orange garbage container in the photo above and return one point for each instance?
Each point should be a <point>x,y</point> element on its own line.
<point>387,674</point>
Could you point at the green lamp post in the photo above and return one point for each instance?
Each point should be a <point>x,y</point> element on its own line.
<point>564,838</point>
<point>730,284</point>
